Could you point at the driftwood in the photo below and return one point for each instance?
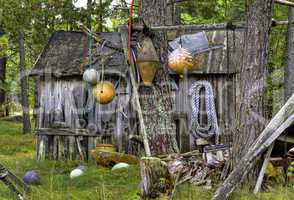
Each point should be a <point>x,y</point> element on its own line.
<point>156,179</point>
<point>263,169</point>
<point>284,2</point>
<point>273,130</point>
<point>108,159</point>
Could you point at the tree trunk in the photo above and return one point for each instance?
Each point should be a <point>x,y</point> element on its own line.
<point>24,85</point>
<point>156,179</point>
<point>100,17</point>
<point>253,71</point>
<point>289,68</point>
<point>156,101</point>
<point>2,91</point>
<point>89,16</point>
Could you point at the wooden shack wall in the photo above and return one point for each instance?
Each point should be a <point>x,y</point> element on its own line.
<point>67,103</point>
<point>221,68</point>
<point>66,106</point>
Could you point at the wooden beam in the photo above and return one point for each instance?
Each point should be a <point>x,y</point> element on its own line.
<point>202,27</point>
<point>205,27</point>
<point>272,131</point>
<point>284,2</point>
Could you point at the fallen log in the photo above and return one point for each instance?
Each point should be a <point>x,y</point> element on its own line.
<point>282,120</point>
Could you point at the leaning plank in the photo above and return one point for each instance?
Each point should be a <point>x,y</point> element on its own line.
<point>124,36</point>
<point>263,169</point>
<point>284,2</point>
<point>272,131</point>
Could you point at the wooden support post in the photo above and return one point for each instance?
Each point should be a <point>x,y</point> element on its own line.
<point>284,2</point>
<point>263,169</point>
<point>273,130</point>
<point>136,102</point>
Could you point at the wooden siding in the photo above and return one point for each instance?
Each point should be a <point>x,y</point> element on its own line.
<point>69,104</point>
<point>225,92</point>
<point>225,60</point>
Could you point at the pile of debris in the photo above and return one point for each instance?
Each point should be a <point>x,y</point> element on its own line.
<point>194,167</point>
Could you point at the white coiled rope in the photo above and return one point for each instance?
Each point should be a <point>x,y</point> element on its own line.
<point>211,129</point>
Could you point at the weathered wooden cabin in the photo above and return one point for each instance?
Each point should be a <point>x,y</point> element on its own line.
<point>69,122</point>
<point>68,119</point>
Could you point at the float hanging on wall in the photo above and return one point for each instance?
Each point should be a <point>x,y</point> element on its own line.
<point>187,54</point>
<point>90,76</point>
<point>180,61</point>
<point>104,92</point>
<point>147,61</point>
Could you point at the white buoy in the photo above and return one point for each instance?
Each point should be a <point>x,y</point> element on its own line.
<point>120,166</point>
<point>79,171</point>
<point>90,76</point>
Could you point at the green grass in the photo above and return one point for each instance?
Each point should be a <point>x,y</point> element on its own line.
<point>17,152</point>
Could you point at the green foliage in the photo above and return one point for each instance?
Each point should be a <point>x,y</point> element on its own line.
<point>214,11</point>
<point>11,142</point>
<point>3,46</point>
<point>18,154</point>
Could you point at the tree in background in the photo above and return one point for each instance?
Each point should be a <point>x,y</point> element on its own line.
<point>16,18</point>
<point>156,101</point>
<point>252,75</point>
<point>3,60</point>
<point>289,68</point>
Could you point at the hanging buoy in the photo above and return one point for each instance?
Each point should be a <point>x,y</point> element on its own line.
<point>180,61</point>
<point>104,92</point>
<point>90,76</point>
<point>147,61</point>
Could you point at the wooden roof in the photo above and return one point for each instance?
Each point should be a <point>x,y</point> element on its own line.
<point>65,52</point>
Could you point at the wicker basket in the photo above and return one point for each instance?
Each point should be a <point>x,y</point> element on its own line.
<point>106,147</point>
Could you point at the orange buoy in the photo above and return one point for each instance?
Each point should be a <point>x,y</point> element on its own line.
<point>147,61</point>
<point>104,92</point>
<point>181,61</point>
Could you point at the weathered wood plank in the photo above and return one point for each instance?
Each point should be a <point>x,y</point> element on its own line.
<point>263,169</point>
<point>282,120</point>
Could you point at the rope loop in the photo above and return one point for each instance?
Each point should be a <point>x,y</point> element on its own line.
<point>211,129</point>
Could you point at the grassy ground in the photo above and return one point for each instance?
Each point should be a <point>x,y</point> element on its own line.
<point>17,152</point>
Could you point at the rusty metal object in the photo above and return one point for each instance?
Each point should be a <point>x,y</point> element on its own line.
<point>104,92</point>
